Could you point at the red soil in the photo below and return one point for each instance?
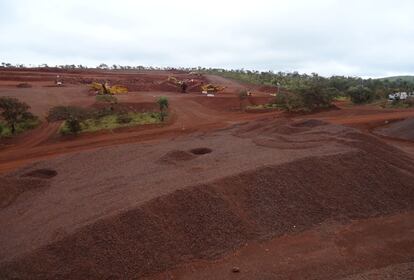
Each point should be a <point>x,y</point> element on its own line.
<point>328,251</point>
<point>278,191</point>
<point>133,80</point>
<point>326,200</point>
<point>399,129</point>
<point>129,106</point>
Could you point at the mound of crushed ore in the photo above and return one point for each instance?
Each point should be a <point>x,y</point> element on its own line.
<point>402,129</point>
<point>176,156</point>
<point>11,188</point>
<point>210,218</point>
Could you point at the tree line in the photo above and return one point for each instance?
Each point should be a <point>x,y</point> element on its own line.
<point>308,92</point>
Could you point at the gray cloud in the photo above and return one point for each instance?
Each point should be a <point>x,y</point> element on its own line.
<point>367,38</point>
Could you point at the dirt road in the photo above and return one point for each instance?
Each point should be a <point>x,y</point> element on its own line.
<point>190,113</point>
<point>188,116</point>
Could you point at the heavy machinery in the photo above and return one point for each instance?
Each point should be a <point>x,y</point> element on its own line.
<point>105,88</point>
<point>181,84</point>
<point>210,88</point>
<point>205,89</point>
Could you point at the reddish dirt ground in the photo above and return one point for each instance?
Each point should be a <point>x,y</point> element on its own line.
<point>189,114</point>
<point>328,251</point>
<point>278,196</point>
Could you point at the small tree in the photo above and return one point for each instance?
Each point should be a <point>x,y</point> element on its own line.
<point>290,102</point>
<point>312,95</point>
<point>13,111</point>
<point>73,125</point>
<point>163,103</point>
<point>360,94</point>
<point>61,113</point>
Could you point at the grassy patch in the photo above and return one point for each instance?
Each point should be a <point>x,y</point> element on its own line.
<point>397,104</point>
<point>112,121</point>
<point>264,106</point>
<point>342,98</point>
<point>5,130</point>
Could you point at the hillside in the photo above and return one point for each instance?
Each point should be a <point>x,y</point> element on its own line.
<point>395,78</point>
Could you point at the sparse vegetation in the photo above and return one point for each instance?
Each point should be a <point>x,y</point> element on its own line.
<point>270,106</point>
<point>360,94</point>
<point>77,120</point>
<point>289,101</point>
<point>61,113</point>
<point>362,90</point>
<point>16,116</point>
<point>109,122</point>
<point>398,103</point>
<point>73,125</point>
<point>163,103</point>
<point>307,96</point>
<point>123,118</point>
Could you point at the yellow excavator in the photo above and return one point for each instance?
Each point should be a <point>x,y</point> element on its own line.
<point>181,84</point>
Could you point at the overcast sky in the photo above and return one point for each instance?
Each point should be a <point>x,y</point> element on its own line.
<point>369,38</point>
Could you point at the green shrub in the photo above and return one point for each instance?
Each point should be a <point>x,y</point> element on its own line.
<point>398,103</point>
<point>29,123</point>
<point>291,102</point>
<point>307,96</point>
<point>312,95</point>
<point>73,125</point>
<point>60,113</point>
<point>123,118</point>
<point>360,94</point>
<point>106,111</point>
<point>163,103</point>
